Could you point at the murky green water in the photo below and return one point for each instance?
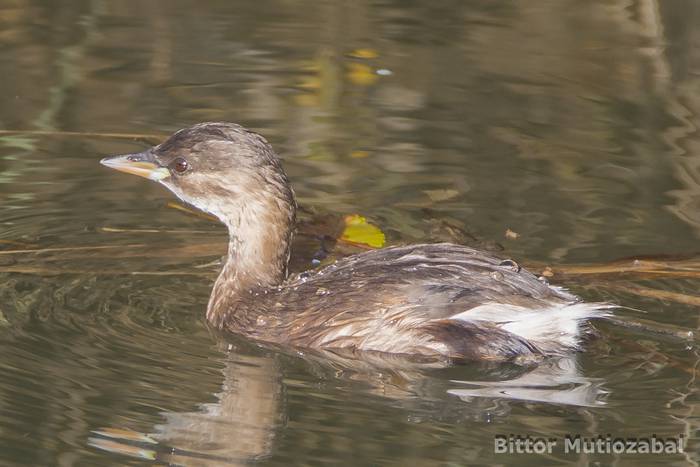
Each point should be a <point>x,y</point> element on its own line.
<point>575,127</point>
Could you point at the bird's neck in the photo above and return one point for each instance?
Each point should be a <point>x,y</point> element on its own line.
<point>260,235</point>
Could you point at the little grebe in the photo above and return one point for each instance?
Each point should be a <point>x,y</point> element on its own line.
<point>438,300</point>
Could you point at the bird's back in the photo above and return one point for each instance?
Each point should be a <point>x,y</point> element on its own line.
<point>438,299</point>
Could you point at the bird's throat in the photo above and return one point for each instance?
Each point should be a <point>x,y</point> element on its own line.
<point>258,253</point>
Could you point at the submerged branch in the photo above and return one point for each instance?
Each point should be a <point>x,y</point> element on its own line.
<point>68,248</point>
<point>157,231</point>
<point>662,295</point>
<point>39,271</point>
<point>648,268</point>
<point>83,134</point>
<point>653,327</point>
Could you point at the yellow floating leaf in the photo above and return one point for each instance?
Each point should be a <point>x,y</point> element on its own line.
<point>364,53</point>
<point>359,231</point>
<point>357,154</point>
<point>361,74</point>
<point>511,235</point>
<point>306,100</point>
<point>441,195</point>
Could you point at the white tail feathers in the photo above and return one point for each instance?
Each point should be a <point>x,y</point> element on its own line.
<point>554,329</point>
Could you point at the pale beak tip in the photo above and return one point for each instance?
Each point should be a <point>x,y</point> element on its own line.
<point>137,164</point>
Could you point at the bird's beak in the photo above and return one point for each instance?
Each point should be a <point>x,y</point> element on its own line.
<point>143,164</point>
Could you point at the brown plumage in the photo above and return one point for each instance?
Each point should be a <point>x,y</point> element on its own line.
<point>439,300</point>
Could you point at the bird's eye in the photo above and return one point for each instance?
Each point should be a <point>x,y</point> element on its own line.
<point>180,165</point>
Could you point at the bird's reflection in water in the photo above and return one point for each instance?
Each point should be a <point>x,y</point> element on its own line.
<point>555,382</point>
<point>241,426</point>
<point>236,429</point>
